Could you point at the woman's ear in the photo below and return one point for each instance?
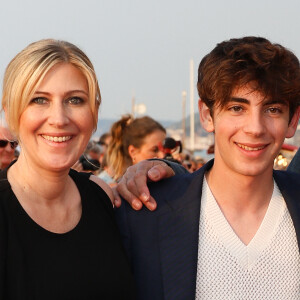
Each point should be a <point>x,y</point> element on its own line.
<point>206,119</point>
<point>293,124</point>
<point>132,152</point>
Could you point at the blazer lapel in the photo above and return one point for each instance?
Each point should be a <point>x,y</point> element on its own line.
<point>178,238</point>
<point>288,184</point>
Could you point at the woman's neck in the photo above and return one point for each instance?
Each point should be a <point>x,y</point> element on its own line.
<point>48,185</point>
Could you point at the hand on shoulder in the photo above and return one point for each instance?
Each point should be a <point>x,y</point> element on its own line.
<point>133,185</point>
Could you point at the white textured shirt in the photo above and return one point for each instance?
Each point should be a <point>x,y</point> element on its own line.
<point>267,268</point>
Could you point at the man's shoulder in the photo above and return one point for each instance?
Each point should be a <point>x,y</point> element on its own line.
<point>287,177</point>
<point>289,186</point>
<point>174,186</point>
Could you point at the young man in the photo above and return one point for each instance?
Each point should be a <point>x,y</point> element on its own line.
<point>232,229</point>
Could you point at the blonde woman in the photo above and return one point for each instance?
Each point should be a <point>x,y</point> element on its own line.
<point>58,238</point>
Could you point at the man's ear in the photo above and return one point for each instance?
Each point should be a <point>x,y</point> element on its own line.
<point>293,124</point>
<point>206,119</point>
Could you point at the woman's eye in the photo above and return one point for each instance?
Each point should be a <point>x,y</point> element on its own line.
<point>39,100</point>
<point>75,100</point>
<point>155,149</point>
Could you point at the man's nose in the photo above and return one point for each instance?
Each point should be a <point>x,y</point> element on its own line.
<point>254,124</point>
<point>9,148</point>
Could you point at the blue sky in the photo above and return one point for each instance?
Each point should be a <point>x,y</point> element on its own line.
<point>143,48</point>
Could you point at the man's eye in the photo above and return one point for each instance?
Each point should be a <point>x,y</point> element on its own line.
<point>39,100</point>
<point>236,108</point>
<point>274,110</point>
<point>75,100</point>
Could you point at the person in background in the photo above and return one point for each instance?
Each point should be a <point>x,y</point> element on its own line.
<point>58,236</point>
<point>8,146</point>
<point>104,141</point>
<point>90,159</point>
<point>171,148</point>
<point>133,140</point>
<point>230,230</point>
<point>94,151</point>
<point>106,174</point>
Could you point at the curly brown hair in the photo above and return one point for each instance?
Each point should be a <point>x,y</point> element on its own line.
<point>270,68</point>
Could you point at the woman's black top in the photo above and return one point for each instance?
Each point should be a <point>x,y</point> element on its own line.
<point>87,262</point>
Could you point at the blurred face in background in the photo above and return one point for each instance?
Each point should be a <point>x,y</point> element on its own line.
<point>6,151</point>
<point>149,148</point>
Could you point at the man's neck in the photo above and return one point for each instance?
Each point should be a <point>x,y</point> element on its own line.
<point>238,190</point>
<point>243,199</point>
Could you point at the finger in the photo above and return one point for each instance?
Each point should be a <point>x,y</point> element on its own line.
<point>151,204</point>
<point>127,185</point>
<point>117,198</point>
<point>122,190</point>
<point>160,171</point>
<point>137,184</point>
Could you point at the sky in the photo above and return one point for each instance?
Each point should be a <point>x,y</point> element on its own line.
<point>143,48</point>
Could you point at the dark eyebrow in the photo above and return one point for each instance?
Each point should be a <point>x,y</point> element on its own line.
<point>271,102</point>
<point>267,102</point>
<point>240,100</point>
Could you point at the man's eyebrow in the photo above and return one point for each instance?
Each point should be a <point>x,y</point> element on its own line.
<point>271,102</point>
<point>267,102</point>
<point>240,100</point>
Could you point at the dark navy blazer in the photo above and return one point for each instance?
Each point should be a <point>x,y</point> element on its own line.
<point>163,245</point>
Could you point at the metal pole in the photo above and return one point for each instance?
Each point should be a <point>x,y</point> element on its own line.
<point>133,106</point>
<point>192,116</point>
<point>183,117</point>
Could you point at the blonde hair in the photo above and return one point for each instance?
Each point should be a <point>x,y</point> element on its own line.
<point>27,69</point>
<point>125,132</point>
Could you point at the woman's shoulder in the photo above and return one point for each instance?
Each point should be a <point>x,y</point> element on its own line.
<point>105,187</point>
<point>89,180</point>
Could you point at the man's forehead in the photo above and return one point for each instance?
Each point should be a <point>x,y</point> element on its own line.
<point>248,94</point>
<point>246,91</point>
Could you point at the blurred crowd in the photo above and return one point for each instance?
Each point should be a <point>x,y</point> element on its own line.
<point>129,141</point>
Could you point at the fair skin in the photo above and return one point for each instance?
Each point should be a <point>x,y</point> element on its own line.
<point>7,152</point>
<point>249,132</point>
<point>149,148</point>
<point>54,130</point>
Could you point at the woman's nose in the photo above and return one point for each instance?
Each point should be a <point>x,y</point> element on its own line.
<point>58,115</point>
